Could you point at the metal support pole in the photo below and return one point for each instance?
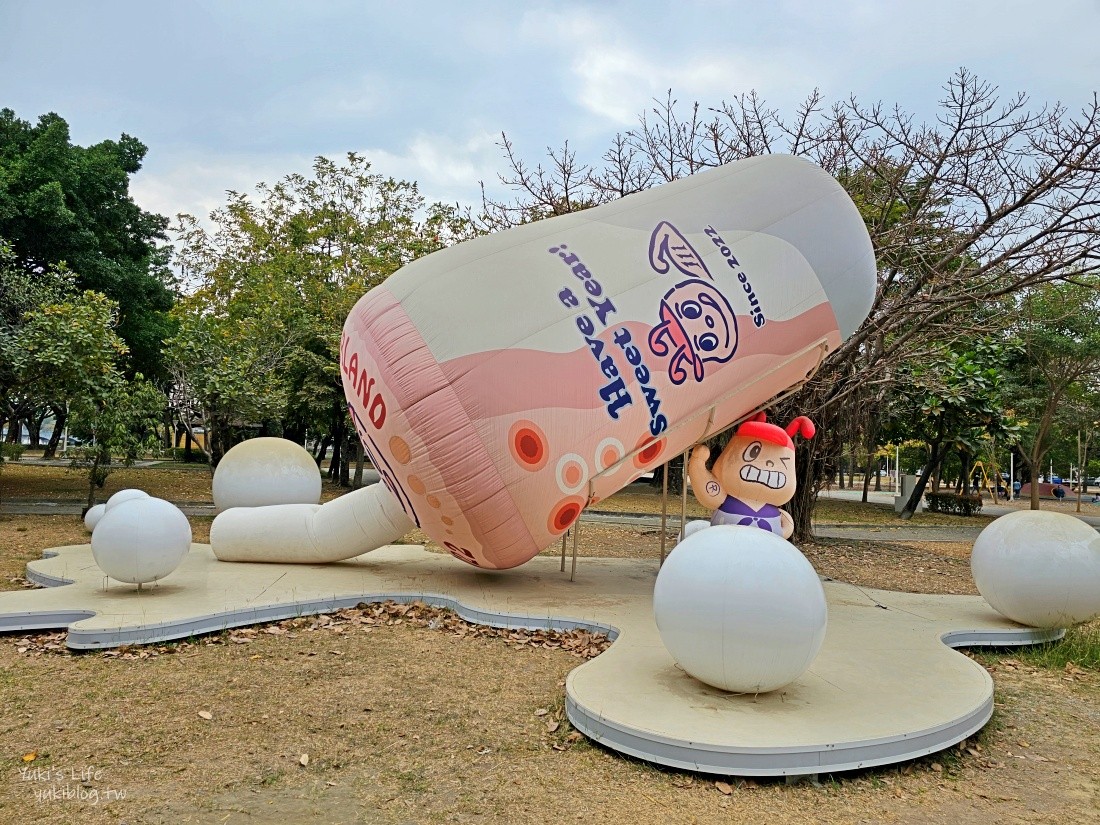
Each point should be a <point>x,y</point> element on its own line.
<point>1080,470</point>
<point>576,528</point>
<point>664,509</point>
<point>684,495</point>
<point>563,538</point>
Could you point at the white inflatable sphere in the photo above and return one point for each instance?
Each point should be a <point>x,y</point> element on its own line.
<point>263,471</point>
<point>693,527</point>
<point>740,608</point>
<point>1038,568</point>
<point>141,542</point>
<point>92,517</point>
<point>122,496</point>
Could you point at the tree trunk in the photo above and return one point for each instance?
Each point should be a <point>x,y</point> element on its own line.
<point>345,458</point>
<point>169,428</point>
<point>937,476</point>
<point>295,432</point>
<point>190,440</point>
<point>93,473</point>
<point>218,439</point>
<point>812,469</point>
<point>922,482</point>
<point>867,478</point>
<point>965,461</point>
<point>34,427</point>
<point>674,468</point>
<point>1034,463</point>
<point>322,448</point>
<point>60,419</point>
<point>337,450</point>
<point>357,481</point>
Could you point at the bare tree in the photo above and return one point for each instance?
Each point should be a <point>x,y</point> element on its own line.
<point>993,196</point>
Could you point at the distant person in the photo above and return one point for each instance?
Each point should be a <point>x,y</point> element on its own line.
<point>1059,492</point>
<point>1016,488</point>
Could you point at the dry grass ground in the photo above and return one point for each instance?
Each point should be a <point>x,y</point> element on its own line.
<point>176,482</point>
<point>398,718</point>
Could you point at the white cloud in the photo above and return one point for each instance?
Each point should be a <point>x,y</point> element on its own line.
<point>621,84</point>
<point>366,94</point>
<point>196,183</point>
<point>617,79</point>
<point>447,169</point>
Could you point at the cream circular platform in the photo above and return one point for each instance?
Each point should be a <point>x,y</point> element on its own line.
<point>885,687</point>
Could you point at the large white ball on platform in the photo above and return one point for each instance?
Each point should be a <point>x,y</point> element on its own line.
<point>141,540</point>
<point>121,497</point>
<point>1038,568</point>
<point>93,516</point>
<point>740,609</point>
<point>263,471</point>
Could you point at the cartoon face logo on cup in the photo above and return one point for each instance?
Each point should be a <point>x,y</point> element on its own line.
<point>697,325</point>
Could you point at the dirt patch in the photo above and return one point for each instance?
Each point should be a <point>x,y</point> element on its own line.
<point>911,567</point>
<point>410,719</point>
<point>190,483</point>
<point>395,722</point>
<point>58,483</point>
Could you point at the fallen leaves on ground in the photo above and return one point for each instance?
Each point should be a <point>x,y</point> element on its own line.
<point>363,617</point>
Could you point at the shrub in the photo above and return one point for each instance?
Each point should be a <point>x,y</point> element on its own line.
<point>953,504</point>
<point>180,454</point>
<point>11,452</point>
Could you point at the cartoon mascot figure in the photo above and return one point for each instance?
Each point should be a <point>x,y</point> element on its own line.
<point>752,478</point>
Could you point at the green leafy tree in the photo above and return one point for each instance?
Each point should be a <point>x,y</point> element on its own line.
<point>1058,327</point>
<point>71,350</point>
<point>62,203</point>
<point>21,295</point>
<point>118,426</point>
<point>954,400</point>
<point>272,284</point>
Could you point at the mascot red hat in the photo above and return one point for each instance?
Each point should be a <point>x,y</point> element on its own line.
<point>758,427</point>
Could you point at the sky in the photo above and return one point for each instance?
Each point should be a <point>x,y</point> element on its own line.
<point>231,93</point>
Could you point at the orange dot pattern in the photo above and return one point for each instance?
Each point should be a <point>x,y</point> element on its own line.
<point>564,514</point>
<point>399,449</point>
<point>528,445</point>
<point>650,451</point>
<point>572,474</point>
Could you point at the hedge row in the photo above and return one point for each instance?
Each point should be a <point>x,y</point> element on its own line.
<point>952,504</point>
